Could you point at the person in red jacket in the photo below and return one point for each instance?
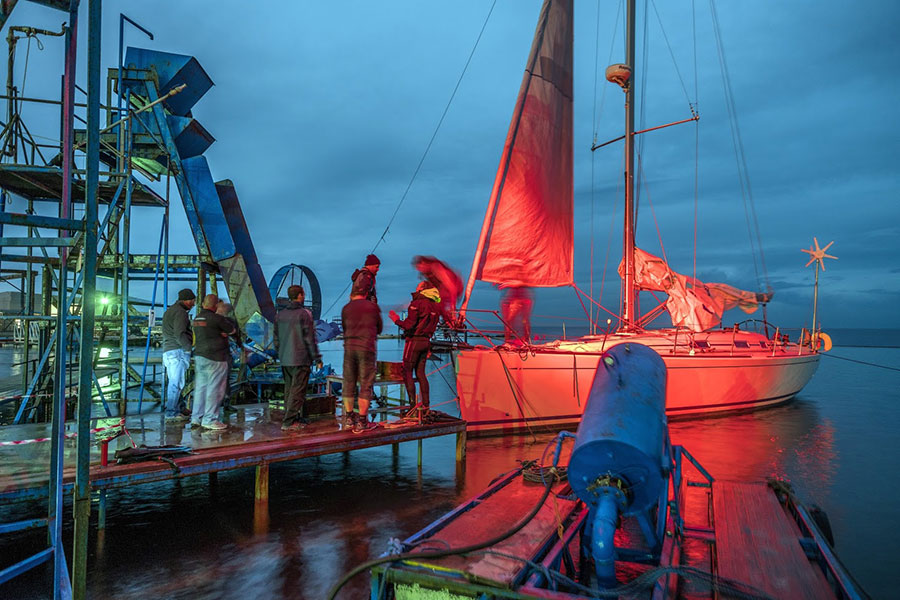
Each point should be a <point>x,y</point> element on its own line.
<point>418,327</point>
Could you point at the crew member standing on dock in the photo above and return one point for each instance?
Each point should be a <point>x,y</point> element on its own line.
<point>361,319</point>
<point>295,342</point>
<point>364,279</point>
<point>234,348</point>
<point>177,342</point>
<point>421,320</point>
<point>212,363</point>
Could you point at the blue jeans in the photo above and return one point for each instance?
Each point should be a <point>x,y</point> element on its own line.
<point>210,384</point>
<point>176,363</point>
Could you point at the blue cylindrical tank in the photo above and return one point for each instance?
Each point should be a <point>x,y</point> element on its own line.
<point>623,431</point>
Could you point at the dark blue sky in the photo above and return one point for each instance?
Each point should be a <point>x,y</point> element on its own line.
<point>323,110</point>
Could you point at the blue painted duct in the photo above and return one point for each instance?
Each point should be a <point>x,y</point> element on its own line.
<point>620,450</point>
<point>212,209</point>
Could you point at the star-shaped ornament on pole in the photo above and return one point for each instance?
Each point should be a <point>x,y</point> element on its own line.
<point>817,255</point>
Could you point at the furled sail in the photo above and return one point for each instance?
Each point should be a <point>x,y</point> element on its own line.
<point>691,302</point>
<point>527,236</point>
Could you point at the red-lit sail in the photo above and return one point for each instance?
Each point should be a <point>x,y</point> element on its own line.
<point>527,235</point>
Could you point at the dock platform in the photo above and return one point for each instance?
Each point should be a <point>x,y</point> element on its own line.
<point>253,439</point>
<point>738,537</point>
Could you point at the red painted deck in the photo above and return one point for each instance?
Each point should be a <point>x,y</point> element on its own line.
<point>757,544</point>
<point>254,438</point>
<point>494,516</point>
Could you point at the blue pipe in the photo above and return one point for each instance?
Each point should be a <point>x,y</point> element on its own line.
<point>605,513</point>
<point>153,303</point>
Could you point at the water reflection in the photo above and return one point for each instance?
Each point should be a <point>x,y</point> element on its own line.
<point>326,515</point>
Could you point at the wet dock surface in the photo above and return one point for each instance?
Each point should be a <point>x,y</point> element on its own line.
<point>253,438</point>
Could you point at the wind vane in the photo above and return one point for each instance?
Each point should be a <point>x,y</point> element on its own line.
<point>818,255</point>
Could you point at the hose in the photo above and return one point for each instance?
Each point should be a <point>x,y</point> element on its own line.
<point>443,553</point>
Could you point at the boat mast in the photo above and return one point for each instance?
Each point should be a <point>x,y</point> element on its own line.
<point>629,293</point>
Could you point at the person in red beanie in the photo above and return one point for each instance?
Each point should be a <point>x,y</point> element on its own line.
<point>364,279</point>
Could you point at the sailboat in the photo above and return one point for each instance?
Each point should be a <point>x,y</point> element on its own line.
<point>527,240</point>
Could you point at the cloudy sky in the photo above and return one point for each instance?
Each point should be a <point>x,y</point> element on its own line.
<point>322,111</point>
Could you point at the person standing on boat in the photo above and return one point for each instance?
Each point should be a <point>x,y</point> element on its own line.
<point>177,342</point>
<point>361,319</point>
<point>212,363</point>
<point>364,279</point>
<point>515,308</point>
<point>421,320</point>
<point>295,342</point>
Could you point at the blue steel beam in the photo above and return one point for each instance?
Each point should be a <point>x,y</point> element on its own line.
<point>58,242</point>
<point>25,565</point>
<point>21,220</point>
<point>82,500</point>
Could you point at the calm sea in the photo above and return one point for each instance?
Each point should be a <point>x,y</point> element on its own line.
<point>836,443</point>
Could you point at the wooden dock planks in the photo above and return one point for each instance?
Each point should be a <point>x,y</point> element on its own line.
<point>493,516</point>
<point>757,544</point>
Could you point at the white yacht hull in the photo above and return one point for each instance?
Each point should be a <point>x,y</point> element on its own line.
<point>509,390</point>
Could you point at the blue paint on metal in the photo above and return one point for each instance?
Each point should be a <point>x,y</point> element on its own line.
<point>603,518</point>
<point>162,232</point>
<point>191,138</point>
<point>172,70</point>
<point>26,565</point>
<point>622,434</point>
<point>276,286</point>
<point>197,182</point>
<point>21,525</point>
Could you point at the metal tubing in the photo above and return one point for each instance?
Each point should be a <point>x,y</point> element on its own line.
<point>603,529</point>
<point>82,500</point>
<point>126,252</point>
<point>25,565</point>
<point>30,220</point>
<point>162,232</point>
<point>21,525</point>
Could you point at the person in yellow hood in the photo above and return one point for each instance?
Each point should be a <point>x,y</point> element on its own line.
<point>418,327</point>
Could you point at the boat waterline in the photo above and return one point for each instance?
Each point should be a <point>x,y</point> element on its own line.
<point>508,390</point>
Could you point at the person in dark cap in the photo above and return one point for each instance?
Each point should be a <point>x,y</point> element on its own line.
<point>177,341</point>
<point>364,279</point>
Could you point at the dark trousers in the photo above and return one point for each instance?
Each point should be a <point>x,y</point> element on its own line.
<point>359,368</point>
<point>295,380</point>
<point>414,354</point>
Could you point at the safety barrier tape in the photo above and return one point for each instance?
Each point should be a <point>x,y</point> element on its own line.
<point>121,424</point>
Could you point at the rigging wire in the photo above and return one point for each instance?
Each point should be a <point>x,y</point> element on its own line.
<point>743,171</point>
<point>427,147</point>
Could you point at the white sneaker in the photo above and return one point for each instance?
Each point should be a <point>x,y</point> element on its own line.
<point>216,425</point>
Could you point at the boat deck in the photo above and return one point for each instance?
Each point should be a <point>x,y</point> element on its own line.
<point>253,439</point>
<point>758,544</point>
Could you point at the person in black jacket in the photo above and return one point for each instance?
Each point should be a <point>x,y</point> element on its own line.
<point>177,343</point>
<point>418,327</point>
<point>212,364</point>
<point>364,279</point>
<point>295,342</point>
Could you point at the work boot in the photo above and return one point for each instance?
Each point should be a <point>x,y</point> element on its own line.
<point>348,421</point>
<point>363,424</point>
